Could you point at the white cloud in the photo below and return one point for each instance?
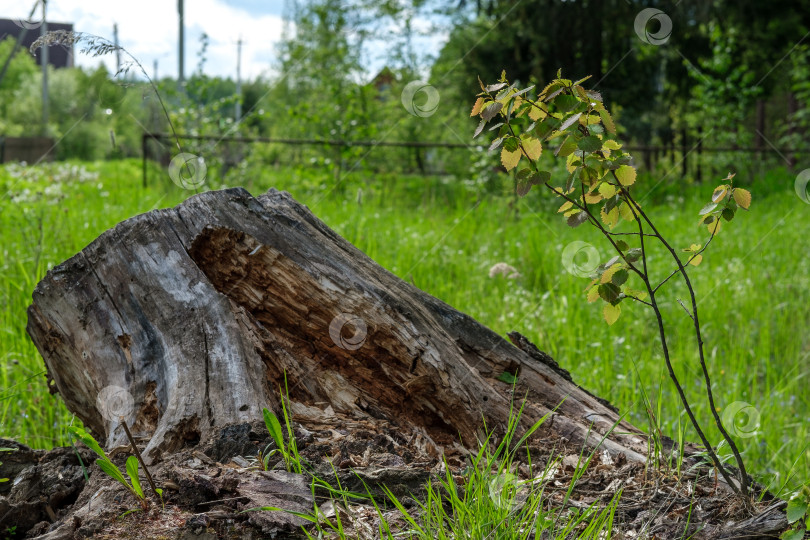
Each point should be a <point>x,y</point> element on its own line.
<point>148,29</point>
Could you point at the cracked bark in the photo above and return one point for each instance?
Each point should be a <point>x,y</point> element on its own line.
<point>257,284</point>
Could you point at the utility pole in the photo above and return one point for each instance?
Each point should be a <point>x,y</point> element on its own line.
<point>239,79</point>
<point>44,58</point>
<point>180,45</point>
<point>18,43</point>
<point>117,49</point>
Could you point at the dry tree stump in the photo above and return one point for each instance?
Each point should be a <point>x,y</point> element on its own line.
<point>187,321</point>
<point>198,312</point>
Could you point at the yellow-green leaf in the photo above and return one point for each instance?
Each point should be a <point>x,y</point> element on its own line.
<point>626,212</point>
<point>607,120</point>
<point>607,275</point>
<point>593,294</point>
<point>566,205</point>
<point>593,197</point>
<point>510,159</point>
<point>626,175</point>
<point>533,148</point>
<point>607,190</point>
<point>536,113</point>
<point>719,193</point>
<point>611,313</point>
<point>610,218</point>
<point>714,227</point>
<point>611,144</point>
<point>696,260</point>
<point>742,197</point>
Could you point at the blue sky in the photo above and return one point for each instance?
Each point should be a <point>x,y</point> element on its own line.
<point>148,30</point>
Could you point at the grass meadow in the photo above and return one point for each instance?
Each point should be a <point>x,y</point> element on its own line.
<point>444,234</point>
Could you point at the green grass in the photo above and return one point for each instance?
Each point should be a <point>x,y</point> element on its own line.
<point>753,287</point>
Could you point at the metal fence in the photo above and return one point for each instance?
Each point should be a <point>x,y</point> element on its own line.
<point>688,155</point>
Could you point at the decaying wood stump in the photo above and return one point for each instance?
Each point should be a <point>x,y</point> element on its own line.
<point>185,322</point>
<point>195,314</point>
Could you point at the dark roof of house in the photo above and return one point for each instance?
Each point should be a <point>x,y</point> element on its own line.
<point>58,56</point>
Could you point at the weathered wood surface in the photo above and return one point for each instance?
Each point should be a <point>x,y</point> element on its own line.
<point>198,311</point>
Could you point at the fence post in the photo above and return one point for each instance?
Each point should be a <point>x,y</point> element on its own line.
<point>700,155</point>
<point>759,140</point>
<point>793,108</point>
<point>143,154</point>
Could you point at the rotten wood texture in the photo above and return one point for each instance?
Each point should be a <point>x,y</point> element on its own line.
<point>198,311</point>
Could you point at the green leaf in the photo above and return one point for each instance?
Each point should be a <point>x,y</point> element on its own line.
<point>566,102</point>
<point>540,177</point>
<point>622,245</point>
<point>619,277</point>
<point>511,144</point>
<point>273,427</point>
<point>575,220</point>
<point>796,509</point>
<point>792,534</point>
<point>728,214</point>
<point>571,120</point>
<point>526,179</point>
<point>496,143</point>
<point>611,313</point>
<point>543,130</point>
<point>507,377</point>
<point>610,293</point>
<point>480,128</point>
<point>112,471</point>
<point>567,147</point>
<point>88,440</point>
<point>591,143</point>
<point>491,111</point>
<point>633,255</point>
<point>708,208</point>
<point>132,471</point>
<point>569,182</point>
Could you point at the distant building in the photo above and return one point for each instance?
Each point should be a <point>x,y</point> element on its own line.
<point>384,80</point>
<point>58,56</point>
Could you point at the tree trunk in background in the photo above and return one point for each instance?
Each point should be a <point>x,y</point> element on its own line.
<point>198,311</point>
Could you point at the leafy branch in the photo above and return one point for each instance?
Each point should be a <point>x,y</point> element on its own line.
<point>111,470</point>
<point>598,190</point>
